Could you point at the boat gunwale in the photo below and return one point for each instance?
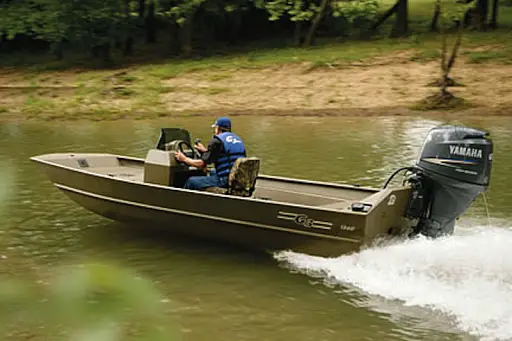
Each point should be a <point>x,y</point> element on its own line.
<point>195,192</point>
<point>279,178</point>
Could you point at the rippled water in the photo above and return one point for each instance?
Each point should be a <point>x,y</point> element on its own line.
<point>459,283</point>
<point>458,288</point>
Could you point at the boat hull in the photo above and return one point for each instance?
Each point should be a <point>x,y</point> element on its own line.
<point>244,234</point>
<point>252,223</point>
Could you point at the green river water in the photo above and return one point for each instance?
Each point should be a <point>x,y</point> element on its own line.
<point>458,288</point>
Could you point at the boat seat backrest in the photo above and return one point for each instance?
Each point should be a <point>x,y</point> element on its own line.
<point>242,178</point>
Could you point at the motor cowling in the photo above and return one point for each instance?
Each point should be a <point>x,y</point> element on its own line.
<point>453,168</point>
<point>460,153</point>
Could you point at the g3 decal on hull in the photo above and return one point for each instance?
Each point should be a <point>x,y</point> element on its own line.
<point>304,220</point>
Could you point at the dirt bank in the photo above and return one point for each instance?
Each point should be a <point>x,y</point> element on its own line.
<point>365,88</point>
<point>388,86</point>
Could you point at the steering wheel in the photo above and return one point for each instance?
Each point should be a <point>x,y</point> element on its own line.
<point>195,153</point>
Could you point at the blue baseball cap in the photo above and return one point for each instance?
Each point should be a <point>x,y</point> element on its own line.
<point>222,122</point>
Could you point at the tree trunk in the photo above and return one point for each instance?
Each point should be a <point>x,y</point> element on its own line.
<point>150,23</point>
<point>128,43</point>
<point>128,46</point>
<point>494,18</point>
<point>444,72</point>
<point>107,55</point>
<point>94,52</point>
<point>477,17</point>
<point>142,8</point>
<point>401,26</point>
<point>446,66</point>
<point>315,23</point>
<point>454,51</point>
<point>297,34</point>
<point>175,38</point>
<point>186,36</point>
<point>386,15</point>
<point>482,10</point>
<point>103,50</point>
<point>234,23</point>
<point>58,49</point>
<point>435,19</point>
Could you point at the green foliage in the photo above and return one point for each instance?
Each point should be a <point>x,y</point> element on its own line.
<point>182,10</point>
<point>298,10</point>
<point>451,13</point>
<point>358,12</point>
<point>87,23</point>
<point>104,26</point>
<point>14,18</point>
<point>88,302</point>
<point>97,22</point>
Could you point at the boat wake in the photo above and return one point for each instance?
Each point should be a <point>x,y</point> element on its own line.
<point>459,283</point>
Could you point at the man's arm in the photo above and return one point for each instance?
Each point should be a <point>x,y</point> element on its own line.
<point>188,161</point>
<point>210,155</point>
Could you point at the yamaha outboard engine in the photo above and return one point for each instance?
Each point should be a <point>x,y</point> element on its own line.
<point>453,168</point>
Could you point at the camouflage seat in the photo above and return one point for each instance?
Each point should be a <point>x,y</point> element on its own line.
<point>242,178</point>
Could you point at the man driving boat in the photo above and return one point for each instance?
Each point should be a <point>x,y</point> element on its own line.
<point>223,149</point>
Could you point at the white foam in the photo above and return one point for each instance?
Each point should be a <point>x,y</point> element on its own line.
<point>466,277</point>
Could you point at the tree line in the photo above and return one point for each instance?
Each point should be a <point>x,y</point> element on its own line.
<point>99,26</point>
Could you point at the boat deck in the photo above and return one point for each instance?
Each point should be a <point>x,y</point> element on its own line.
<point>278,189</point>
<point>307,193</point>
<point>123,172</point>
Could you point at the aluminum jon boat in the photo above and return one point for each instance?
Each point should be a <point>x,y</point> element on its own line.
<point>278,213</point>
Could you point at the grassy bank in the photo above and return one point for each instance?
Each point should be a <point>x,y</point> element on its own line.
<point>333,77</point>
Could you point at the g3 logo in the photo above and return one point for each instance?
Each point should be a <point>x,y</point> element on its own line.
<point>233,140</point>
<point>303,220</point>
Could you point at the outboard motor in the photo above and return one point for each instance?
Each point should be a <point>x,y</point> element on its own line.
<point>453,168</point>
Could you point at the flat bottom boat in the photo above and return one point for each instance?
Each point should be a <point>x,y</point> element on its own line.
<point>279,213</point>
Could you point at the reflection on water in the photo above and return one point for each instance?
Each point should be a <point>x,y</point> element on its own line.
<point>227,294</point>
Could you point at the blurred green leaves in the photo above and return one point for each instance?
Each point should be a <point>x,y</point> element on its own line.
<point>356,11</point>
<point>90,302</point>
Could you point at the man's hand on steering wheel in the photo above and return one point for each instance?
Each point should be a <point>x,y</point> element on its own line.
<point>200,147</point>
<point>195,153</point>
<point>180,157</point>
